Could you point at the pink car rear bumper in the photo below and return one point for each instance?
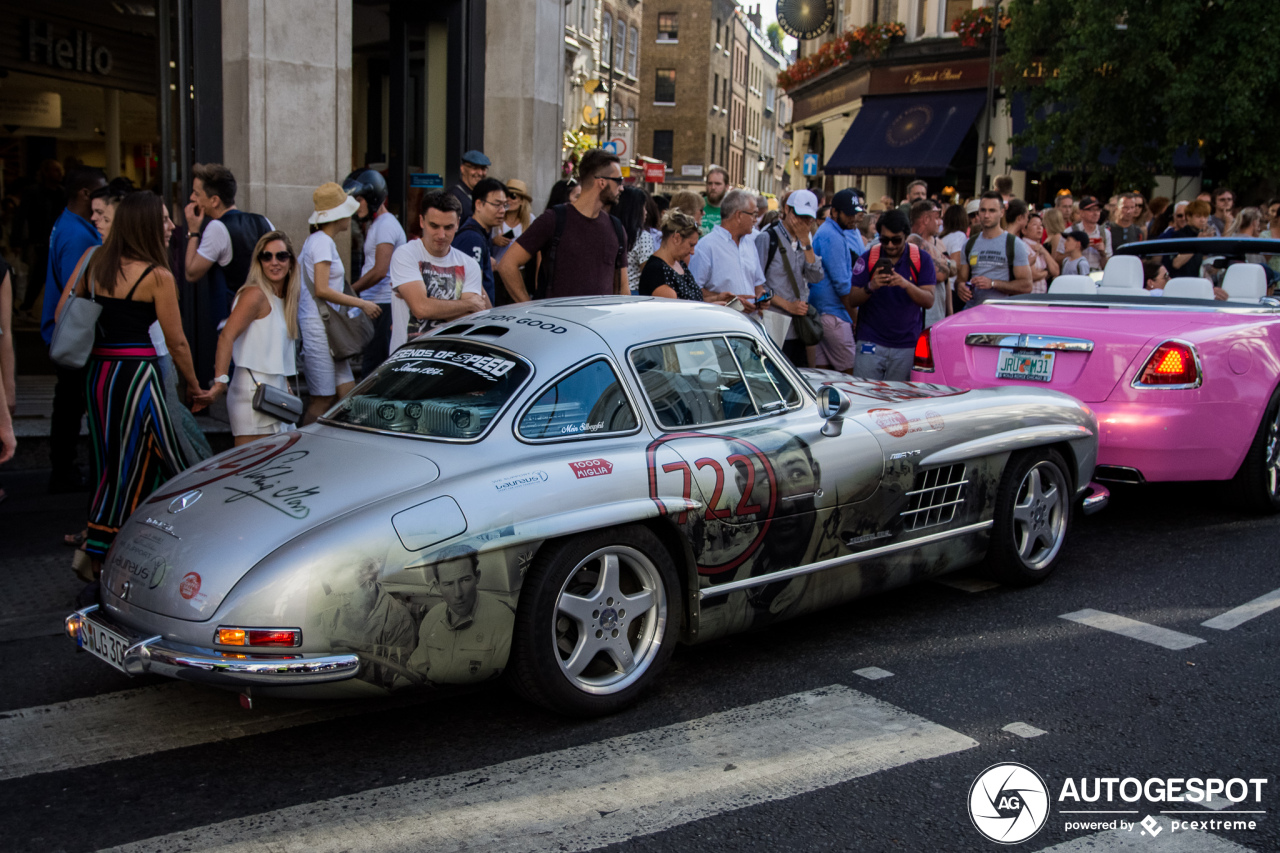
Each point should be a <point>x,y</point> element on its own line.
<point>1173,440</point>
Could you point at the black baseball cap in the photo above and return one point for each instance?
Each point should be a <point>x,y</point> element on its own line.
<point>1088,201</point>
<point>847,202</point>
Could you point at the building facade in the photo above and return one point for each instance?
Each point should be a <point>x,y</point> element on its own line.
<point>601,76</point>
<point>710,71</point>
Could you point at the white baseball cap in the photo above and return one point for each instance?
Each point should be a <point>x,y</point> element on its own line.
<point>803,202</point>
<point>972,207</point>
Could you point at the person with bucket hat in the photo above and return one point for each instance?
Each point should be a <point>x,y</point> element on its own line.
<point>518,217</point>
<point>382,236</point>
<point>322,275</point>
<point>474,166</point>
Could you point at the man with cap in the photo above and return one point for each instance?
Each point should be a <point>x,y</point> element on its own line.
<point>1099,250</point>
<point>473,167</point>
<point>382,236</point>
<point>829,294</point>
<point>785,250</point>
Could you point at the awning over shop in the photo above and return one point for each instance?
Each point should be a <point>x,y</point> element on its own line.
<point>906,134</point>
<point>1186,160</point>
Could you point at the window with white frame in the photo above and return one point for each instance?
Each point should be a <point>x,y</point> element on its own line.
<point>606,38</point>
<point>620,46</point>
<point>633,45</point>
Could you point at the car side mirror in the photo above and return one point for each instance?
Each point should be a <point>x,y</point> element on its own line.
<point>832,404</point>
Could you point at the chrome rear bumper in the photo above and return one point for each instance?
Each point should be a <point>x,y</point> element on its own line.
<point>1096,499</point>
<point>209,666</point>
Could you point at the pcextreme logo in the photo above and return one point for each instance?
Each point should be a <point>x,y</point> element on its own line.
<point>1008,803</point>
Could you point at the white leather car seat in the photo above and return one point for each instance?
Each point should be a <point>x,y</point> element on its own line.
<point>1245,282</point>
<point>1074,284</point>
<point>1124,271</point>
<point>1189,288</point>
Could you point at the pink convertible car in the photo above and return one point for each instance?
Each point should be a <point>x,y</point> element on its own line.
<point>1184,387</point>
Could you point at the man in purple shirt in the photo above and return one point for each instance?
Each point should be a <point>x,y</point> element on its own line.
<point>73,233</point>
<point>891,291</point>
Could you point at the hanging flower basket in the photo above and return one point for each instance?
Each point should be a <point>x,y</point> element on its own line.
<point>869,41</point>
<point>975,25</point>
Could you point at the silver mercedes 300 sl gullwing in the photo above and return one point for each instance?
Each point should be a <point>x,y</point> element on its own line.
<point>562,491</point>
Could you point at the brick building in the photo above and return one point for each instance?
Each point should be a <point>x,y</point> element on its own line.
<point>602,43</point>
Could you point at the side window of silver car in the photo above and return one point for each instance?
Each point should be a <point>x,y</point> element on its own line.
<point>768,384</point>
<point>693,383</point>
<point>588,402</point>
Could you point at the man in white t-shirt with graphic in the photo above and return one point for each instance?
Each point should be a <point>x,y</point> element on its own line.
<point>433,282</point>
<point>382,236</point>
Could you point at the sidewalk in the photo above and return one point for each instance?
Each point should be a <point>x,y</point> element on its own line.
<point>37,588</point>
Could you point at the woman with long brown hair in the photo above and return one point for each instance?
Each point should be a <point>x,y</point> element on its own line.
<point>135,448</point>
<point>261,336</point>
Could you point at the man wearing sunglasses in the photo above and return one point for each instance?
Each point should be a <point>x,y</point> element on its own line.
<point>892,286</point>
<point>490,196</point>
<point>583,246</point>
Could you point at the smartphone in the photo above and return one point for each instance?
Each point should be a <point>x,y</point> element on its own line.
<point>510,234</point>
<point>764,297</point>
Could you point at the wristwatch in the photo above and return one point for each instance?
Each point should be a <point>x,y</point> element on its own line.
<point>224,379</point>
<point>195,234</point>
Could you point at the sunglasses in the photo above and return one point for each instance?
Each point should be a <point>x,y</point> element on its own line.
<point>897,240</point>
<point>617,181</point>
<point>265,257</point>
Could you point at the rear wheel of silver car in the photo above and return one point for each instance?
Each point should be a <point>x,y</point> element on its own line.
<point>1258,481</point>
<point>598,618</point>
<point>1033,512</point>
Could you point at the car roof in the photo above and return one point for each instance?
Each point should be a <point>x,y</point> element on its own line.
<point>555,334</point>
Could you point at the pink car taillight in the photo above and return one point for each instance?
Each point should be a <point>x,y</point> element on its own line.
<point>1174,364</point>
<point>924,353</point>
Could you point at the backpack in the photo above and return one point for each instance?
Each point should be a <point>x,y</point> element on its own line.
<point>1008,250</point>
<point>873,256</point>
<point>547,271</point>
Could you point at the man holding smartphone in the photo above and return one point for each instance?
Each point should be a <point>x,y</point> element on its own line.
<point>892,286</point>
<point>786,254</point>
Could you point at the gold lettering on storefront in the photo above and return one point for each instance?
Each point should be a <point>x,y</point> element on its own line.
<point>938,75</point>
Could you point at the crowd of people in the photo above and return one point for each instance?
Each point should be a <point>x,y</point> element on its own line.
<point>836,283</point>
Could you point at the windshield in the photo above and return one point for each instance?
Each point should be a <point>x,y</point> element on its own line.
<point>435,389</point>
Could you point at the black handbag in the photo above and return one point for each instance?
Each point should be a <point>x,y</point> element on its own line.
<point>809,327</point>
<point>275,402</point>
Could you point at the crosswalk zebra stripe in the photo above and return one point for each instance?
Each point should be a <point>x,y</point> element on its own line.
<point>1237,616</point>
<point>145,720</point>
<point>606,792</point>
<point>1133,629</point>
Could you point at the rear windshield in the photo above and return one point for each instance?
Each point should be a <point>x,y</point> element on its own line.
<point>435,389</point>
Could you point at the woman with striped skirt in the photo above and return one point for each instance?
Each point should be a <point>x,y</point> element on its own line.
<point>135,448</point>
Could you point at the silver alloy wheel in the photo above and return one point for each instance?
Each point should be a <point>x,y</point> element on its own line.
<point>611,615</point>
<point>1273,457</point>
<point>1040,515</point>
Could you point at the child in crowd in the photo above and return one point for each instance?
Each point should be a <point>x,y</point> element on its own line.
<point>1074,262</point>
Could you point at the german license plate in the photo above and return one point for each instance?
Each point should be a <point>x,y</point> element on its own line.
<point>1031,365</point>
<point>103,642</point>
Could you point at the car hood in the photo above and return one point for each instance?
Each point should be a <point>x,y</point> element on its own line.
<point>196,537</point>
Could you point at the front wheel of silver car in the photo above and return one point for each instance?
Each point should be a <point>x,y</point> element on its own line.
<point>597,621</point>
<point>1033,512</point>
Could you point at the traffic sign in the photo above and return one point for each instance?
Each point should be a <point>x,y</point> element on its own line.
<point>810,164</point>
<point>618,145</point>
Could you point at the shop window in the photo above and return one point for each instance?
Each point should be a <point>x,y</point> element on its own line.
<point>669,29</point>
<point>664,89</point>
<point>663,145</point>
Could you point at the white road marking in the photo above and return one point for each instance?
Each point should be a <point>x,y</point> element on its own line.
<point>1237,616</point>
<point>1133,629</point>
<point>873,672</point>
<point>1165,841</point>
<point>1024,730</point>
<point>966,584</point>
<point>603,793</point>
<point>129,723</point>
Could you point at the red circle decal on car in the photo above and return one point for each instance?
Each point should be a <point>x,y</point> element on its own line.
<point>891,421</point>
<point>190,586</point>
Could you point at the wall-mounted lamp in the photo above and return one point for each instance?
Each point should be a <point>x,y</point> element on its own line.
<point>991,149</point>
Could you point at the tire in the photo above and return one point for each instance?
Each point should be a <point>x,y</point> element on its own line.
<point>597,621</point>
<point>1033,513</point>
<point>1257,483</point>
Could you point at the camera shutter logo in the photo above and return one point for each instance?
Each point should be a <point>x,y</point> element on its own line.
<point>1008,803</point>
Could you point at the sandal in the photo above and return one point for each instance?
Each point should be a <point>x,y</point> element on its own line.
<point>82,566</point>
<point>75,540</point>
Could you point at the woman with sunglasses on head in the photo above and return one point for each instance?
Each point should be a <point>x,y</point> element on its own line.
<point>135,447</point>
<point>260,337</point>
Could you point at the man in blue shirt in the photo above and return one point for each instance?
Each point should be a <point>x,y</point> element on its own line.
<point>73,233</point>
<point>489,196</point>
<point>835,351</point>
<point>893,290</point>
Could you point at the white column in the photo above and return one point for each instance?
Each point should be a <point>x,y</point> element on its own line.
<point>524,92</point>
<point>286,103</point>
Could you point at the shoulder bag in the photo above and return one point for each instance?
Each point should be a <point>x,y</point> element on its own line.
<point>77,328</point>
<point>809,327</point>
<point>275,402</point>
<point>347,335</point>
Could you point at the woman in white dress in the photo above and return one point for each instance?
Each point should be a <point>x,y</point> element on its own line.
<point>323,278</point>
<point>261,337</point>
